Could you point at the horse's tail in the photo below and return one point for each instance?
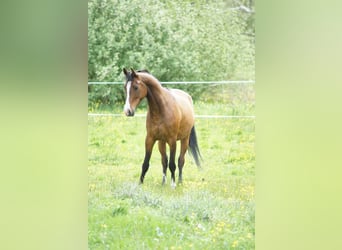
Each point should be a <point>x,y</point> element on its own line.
<point>193,145</point>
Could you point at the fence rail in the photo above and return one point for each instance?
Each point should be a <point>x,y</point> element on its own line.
<point>196,116</point>
<point>184,82</point>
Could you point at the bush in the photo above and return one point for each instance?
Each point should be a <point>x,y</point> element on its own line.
<point>176,40</point>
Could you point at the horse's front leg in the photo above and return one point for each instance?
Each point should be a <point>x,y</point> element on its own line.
<point>149,142</point>
<point>172,164</point>
<point>164,161</point>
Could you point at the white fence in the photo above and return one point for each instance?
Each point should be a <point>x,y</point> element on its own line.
<point>214,83</point>
<point>185,82</point>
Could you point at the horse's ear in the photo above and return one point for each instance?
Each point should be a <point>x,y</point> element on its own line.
<point>125,71</point>
<point>133,72</point>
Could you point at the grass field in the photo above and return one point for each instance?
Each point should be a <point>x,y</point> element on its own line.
<point>214,207</point>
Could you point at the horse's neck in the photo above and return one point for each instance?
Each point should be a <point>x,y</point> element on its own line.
<point>157,96</point>
<point>150,81</point>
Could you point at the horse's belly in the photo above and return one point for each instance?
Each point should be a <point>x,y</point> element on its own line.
<point>165,133</point>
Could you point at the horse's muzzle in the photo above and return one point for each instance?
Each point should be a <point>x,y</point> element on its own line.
<point>129,112</point>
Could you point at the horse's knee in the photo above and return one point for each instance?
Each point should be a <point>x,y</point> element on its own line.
<point>181,161</point>
<point>172,167</point>
<point>164,162</point>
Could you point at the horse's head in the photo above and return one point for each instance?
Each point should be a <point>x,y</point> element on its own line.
<point>135,91</point>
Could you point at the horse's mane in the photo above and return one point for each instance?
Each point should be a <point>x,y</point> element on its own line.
<point>143,70</point>
<point>148,76</point>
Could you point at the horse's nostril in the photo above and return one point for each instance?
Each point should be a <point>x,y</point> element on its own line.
<point>130,112</point>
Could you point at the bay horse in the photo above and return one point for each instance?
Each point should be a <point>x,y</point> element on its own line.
<point>170,118</point>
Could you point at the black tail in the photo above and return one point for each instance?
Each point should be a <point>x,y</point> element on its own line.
<point>194,150</point>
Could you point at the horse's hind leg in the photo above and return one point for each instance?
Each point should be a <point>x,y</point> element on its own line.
<point>149,142</point>
<point>162,150</point>
<point>181,159</point>
<point>172,164</point>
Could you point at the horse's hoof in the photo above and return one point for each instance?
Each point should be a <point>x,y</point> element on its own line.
<point>164,179</point>
<point>173,184</point>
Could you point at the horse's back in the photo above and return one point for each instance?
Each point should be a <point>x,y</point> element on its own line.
<point>181,96</point>
<point>183,100</point>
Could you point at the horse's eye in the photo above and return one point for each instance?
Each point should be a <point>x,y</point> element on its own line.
<point>135,87</point>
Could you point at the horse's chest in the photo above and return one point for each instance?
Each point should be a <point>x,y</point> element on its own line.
<point>162,130</point>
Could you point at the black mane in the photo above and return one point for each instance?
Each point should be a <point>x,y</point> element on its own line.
<point>144,70</point>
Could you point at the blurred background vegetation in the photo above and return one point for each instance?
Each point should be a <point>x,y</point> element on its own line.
<point>180,40</point>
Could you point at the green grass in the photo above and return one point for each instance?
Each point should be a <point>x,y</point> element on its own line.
<point>213,208</point>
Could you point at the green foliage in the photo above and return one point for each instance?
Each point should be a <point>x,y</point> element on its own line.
<point>104,96</point>
<point>175,40</point>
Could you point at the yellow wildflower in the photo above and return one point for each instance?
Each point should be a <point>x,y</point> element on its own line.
<point>235,243</point>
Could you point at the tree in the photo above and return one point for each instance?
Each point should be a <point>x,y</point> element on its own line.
<point>175,40</point>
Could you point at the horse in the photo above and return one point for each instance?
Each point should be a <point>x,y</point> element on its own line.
<point>170,117</point>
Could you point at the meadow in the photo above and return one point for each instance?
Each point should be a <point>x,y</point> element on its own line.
<point>213,208</point>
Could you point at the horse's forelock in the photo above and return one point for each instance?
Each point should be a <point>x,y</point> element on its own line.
<point>129,77</point>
